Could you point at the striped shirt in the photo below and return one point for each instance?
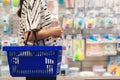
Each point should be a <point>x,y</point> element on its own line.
<point>35,15</point>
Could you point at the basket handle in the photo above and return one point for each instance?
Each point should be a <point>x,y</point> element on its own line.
<point>35,36</point>
<point>25,42</point>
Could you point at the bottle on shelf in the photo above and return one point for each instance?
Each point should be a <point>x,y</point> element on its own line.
<point>5,37</point>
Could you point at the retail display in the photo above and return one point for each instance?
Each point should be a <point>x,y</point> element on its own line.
<point>6,30</point>
<point>98,24</point>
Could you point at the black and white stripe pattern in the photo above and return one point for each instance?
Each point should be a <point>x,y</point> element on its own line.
<point>35,15</point>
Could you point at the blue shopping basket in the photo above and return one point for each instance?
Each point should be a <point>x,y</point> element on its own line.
<point>42,61</point>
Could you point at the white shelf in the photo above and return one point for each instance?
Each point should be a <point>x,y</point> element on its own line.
<point>88,77</point>
<point>100,42</point>
<point>70,78</point>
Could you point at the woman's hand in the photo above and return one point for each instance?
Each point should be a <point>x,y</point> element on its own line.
<point>56,31</point>
<point>53,31</point>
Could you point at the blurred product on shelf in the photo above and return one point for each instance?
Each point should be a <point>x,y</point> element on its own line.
<point>90,23</point>
<point>4,71</point>
<point>0,62</point>
<point>94,49</point>
<point>118,46</point>
<point>118,72</point>
<point>78,48</point>
<point>109,49</point>
<point>109,22</point>
<point>78,22</point>
<point>99,5</point>
<point>67,22</point>
<point>70,4</point>
<point>79,4</point>
<point>54,22</point>
<point>61,2</point>
<point>14,40</point>
<point>87,73</point>
<point>109,37</point>
<point>15,3</point>
<point>73,70</point>
<point>51,5</point>
<point>5,41</point>
<point>112,64</point>
<point>99,70</point>
<point>6,2</point>
<point>69,46</point>
<point>6,27</point>
<point>64,70</point>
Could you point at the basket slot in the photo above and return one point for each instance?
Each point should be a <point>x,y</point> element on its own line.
<point>12,53</point>
<point>50,68</point>
<point>49,61</point>
<point>25,53</point>
<point>14,69</point>
<point>34,71</point>
<point>33,53</point>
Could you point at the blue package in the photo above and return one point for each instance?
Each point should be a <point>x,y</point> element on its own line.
<point>61,2</point>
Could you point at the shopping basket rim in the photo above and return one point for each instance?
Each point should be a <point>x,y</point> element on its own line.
<point>31,48</point>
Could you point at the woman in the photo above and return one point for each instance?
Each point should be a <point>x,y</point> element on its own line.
<point>35,16</point>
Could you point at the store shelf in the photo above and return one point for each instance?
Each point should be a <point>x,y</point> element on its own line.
<point>70,78</point>
<point>88,77</point>
<point>100,42</point>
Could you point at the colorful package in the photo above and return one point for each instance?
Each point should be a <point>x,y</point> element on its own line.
<point>94,49</point>
<point>112,65</point>
<point>78,49</point>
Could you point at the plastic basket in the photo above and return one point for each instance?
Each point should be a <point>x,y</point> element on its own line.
<point>25,61</point>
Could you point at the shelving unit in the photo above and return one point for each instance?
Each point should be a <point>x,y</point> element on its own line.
<point>73,78</point>
<point>89,78</point>
<point>90,61</point>
<point>7,13</point>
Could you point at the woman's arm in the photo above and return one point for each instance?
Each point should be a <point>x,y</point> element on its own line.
<point>53,31</point>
